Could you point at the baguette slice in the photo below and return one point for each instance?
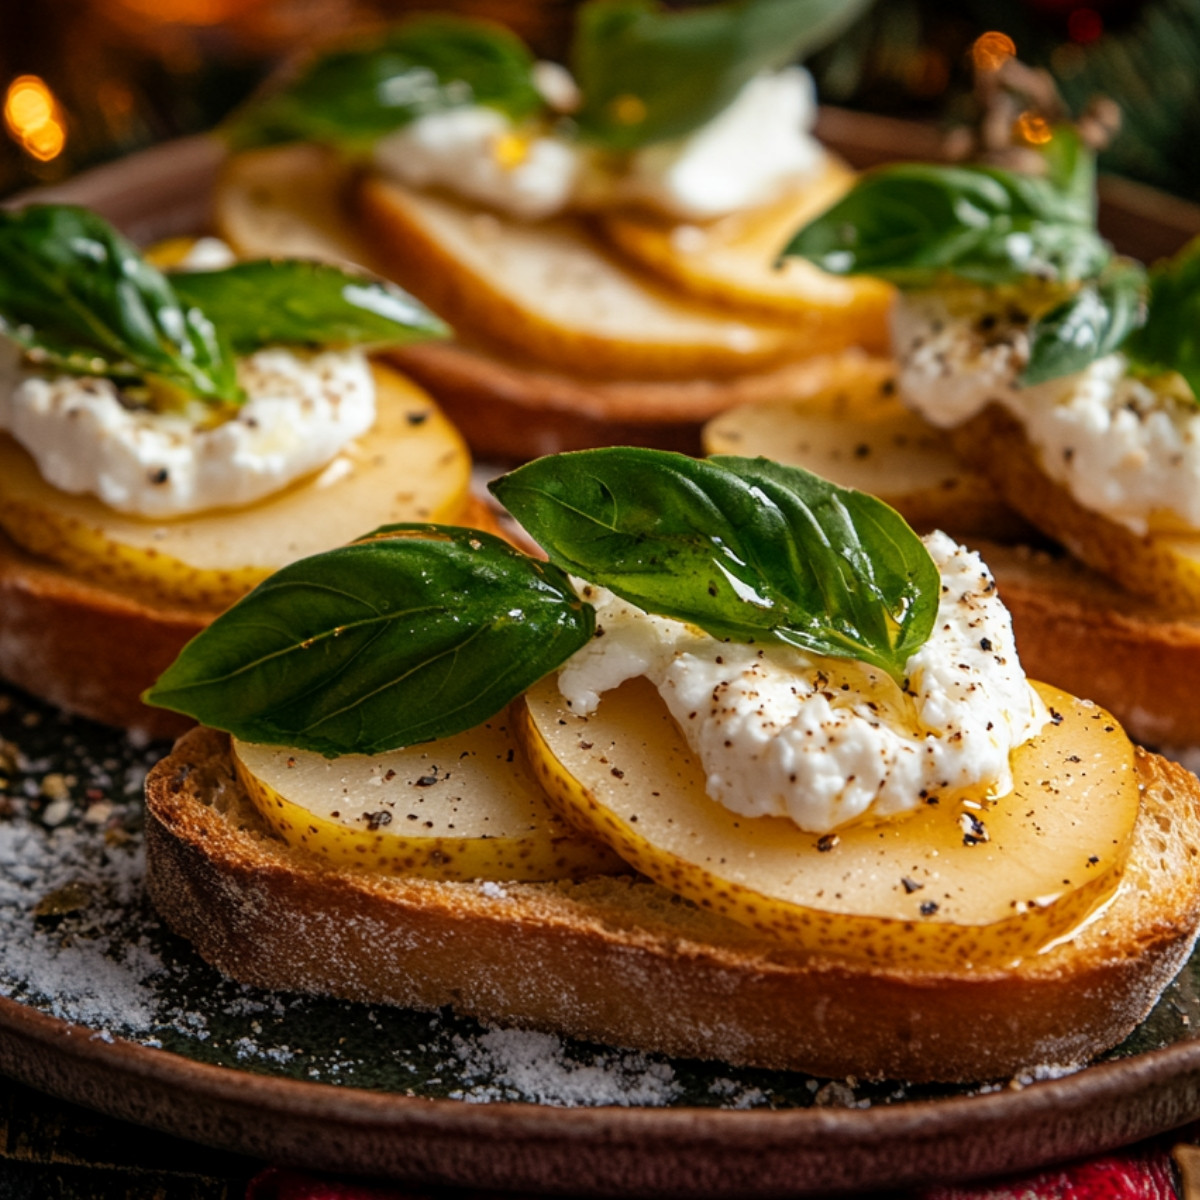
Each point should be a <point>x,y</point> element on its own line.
<point>94,649</point>
<point>86,648</point>
<point>621,961</point>
<point>512,410</point>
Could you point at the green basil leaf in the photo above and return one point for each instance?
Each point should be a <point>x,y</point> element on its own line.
<point>648,75</point>
<point>79,297</point>
<point>1093,322</point>
<point>743,548</point>
<point>295,303</point>
<point>1170,338</point>
<point>351,97</point>
<point>916,223</point>
<point>416,632</point>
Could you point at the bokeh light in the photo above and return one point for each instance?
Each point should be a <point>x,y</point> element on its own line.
<point>34,119</point>
<point>992,50</point>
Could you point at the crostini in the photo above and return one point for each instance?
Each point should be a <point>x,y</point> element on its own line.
<point>167,441</point>
<point>1057,374</point>
<point>846,827</point>
<point>600,240</point>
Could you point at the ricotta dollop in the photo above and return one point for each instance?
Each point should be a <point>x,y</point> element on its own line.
<point>87,436</point>
<point>1124,447</point>
<point>745,156</point>
<point>822,741</point>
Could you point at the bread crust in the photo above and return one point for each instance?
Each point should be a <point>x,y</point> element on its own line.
<point>621,961</point>
<point>512,411</point>
<point>93,650</point>
<point>87,649</point>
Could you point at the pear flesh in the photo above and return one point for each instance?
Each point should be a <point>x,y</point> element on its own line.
<point>858,434</point>
<point>963,880</point>
<point>732,261</point>
<point>464,807</point>
<point>412,465</point>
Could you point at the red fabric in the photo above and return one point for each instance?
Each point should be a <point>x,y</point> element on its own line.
<point>1145,1175</point>
<point>1133,1175</point>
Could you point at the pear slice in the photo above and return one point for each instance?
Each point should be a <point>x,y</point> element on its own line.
<point>857,433</point>
<point>289,202</point>
<point>412,465</point>
<point>1162,566</point>
<point>731,261</point>
<point>556,293</point>
<point>464,807</point>
<point>921,890</point>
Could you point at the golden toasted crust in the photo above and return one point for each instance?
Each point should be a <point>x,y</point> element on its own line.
<point>93,650</point>
<point>513,411</point>
<point>87,649</point>
<point>621,961</point>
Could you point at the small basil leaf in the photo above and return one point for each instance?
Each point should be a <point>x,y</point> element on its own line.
<point>352,96</point>
<point>1093,322</point>
<point>79,297</point>
<point>296,303</point>
<point>1170,338</point>
<point>915,223</point>
<point>647,74</point>
<point>416,632</point>
<point>743,548</point>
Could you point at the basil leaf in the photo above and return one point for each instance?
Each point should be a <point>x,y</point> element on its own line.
<point>1094,322</point>
<point>1170,338</point>
<point>297,303</point>
<point>79,297</point>
<point>648,75</point>
<point>353,96</point>
<point>416,632</point>
<point>743,548</point>
<point>915,223</point>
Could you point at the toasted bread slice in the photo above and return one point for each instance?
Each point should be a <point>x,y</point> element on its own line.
<point>622,961</point>
<point>86,648</point>
<point>93,648</point>
<point>512,410</point>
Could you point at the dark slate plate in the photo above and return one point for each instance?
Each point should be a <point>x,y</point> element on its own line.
<point>101,1005</point>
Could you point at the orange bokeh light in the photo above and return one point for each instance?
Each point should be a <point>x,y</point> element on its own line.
<point>1033,129</point>
<point>34,118</point>
<point>992,50</point>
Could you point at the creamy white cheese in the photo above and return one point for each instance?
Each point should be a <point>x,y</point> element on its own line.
<point>780,732</point>
<point>1122,447</point>
<point>477,153</point>
<point>746,155</point>
<point>86,437</point>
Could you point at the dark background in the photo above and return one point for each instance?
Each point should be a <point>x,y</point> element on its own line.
<point>83,81</point>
